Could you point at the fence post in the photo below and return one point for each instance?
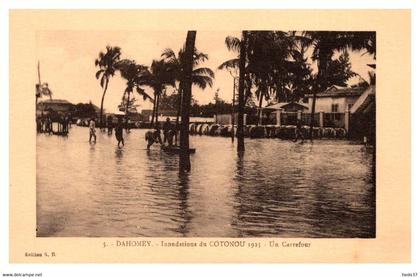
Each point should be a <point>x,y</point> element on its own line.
<point>278,117</point>
<point>215,118</point>
<point>347,120</point>
<point>245,115</point>
<point>299,115</point>
<point>321,119</point>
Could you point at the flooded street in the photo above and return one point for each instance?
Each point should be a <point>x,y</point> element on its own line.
<point>277,189</point>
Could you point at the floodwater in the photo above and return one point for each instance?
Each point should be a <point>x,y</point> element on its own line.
<point>276,189</point>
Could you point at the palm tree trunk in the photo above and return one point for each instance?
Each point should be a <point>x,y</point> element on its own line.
<point>312,115</point>
<point>320,86</point>
<point>184,154</point>
<point>241,102</point>
<point>179,108</point>
<point>178,112</point>
<point>233,111</point>
<point>126,109</point>
<point>259,122</point>
<point>102,104</point>
<point>157,108</point>
<point>154,108</point>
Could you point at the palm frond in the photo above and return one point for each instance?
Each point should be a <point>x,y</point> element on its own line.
<point>202,81</point>
<point>229,64</point>
<point>168,53</point>
<point>203,71</point>
<point>98,74</point>
<point>233,43</point>
<point>143,93</point>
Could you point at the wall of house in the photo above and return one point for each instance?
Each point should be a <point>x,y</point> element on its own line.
<point>324,104</point>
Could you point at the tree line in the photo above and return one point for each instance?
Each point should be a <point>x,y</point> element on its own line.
<point>269,65</point>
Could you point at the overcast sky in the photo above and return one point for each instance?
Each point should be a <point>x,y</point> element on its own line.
<point>67,62</point>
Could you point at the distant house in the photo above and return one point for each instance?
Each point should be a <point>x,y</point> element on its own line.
<point>335,99</point>
<point>54,105</point>
<point>146,114</point>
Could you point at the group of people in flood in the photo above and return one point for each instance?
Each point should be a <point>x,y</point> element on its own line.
<point>169,133</point>
<point>44,124</point>
<point>110,126</point>
<point>151,137</point>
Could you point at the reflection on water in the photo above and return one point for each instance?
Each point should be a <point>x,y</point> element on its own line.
<point>276,188</point>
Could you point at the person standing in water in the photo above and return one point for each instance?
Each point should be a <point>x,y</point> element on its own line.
<point>92,130</point>
<point>167,126</point>
<point>109,125</point>
<point>119,132</point>
<point>299,131</point>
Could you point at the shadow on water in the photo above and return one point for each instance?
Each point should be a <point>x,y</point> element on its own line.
<point>183,192</point>
<point>260,200</point>
<point>172,186</point>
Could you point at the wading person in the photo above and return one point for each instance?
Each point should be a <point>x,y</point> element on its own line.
<point>109,125</point>
<point>92,130</point>
<point>48,125</point>
<point>152,137</point>
<point>167,127</point>
<point>119,132</point>
<point>171,135</point>
<point>299,131</point>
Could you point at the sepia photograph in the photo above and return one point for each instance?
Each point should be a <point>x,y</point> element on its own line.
<point>209,136</point>
<point>236,133</point>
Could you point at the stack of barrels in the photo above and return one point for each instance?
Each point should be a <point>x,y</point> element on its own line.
<point>266,131</point>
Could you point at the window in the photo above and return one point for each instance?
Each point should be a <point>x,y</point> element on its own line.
<point>334,108</point>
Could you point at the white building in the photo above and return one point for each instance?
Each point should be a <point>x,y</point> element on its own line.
<point>335,99</point>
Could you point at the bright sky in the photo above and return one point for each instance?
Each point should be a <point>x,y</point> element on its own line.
<point>67,62</point>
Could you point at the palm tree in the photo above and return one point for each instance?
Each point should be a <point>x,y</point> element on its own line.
<point>268,62</point>
<point>158,77</point>
<point>136,76</point>
<point>325,44</point>
<point>188,62</point>
<point>239,46</point>
<point>200,76</point>
<point>107,65</point>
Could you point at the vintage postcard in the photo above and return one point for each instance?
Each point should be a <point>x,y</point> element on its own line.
<point>210,136</point>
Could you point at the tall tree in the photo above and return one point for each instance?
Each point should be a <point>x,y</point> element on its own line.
<point>244,83</point>
<point>107,65</point>
<point>136,76</point>
<point>158,78</point>
<point>241,96</point>
<point>184,155</point>
<point>201,76</point>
